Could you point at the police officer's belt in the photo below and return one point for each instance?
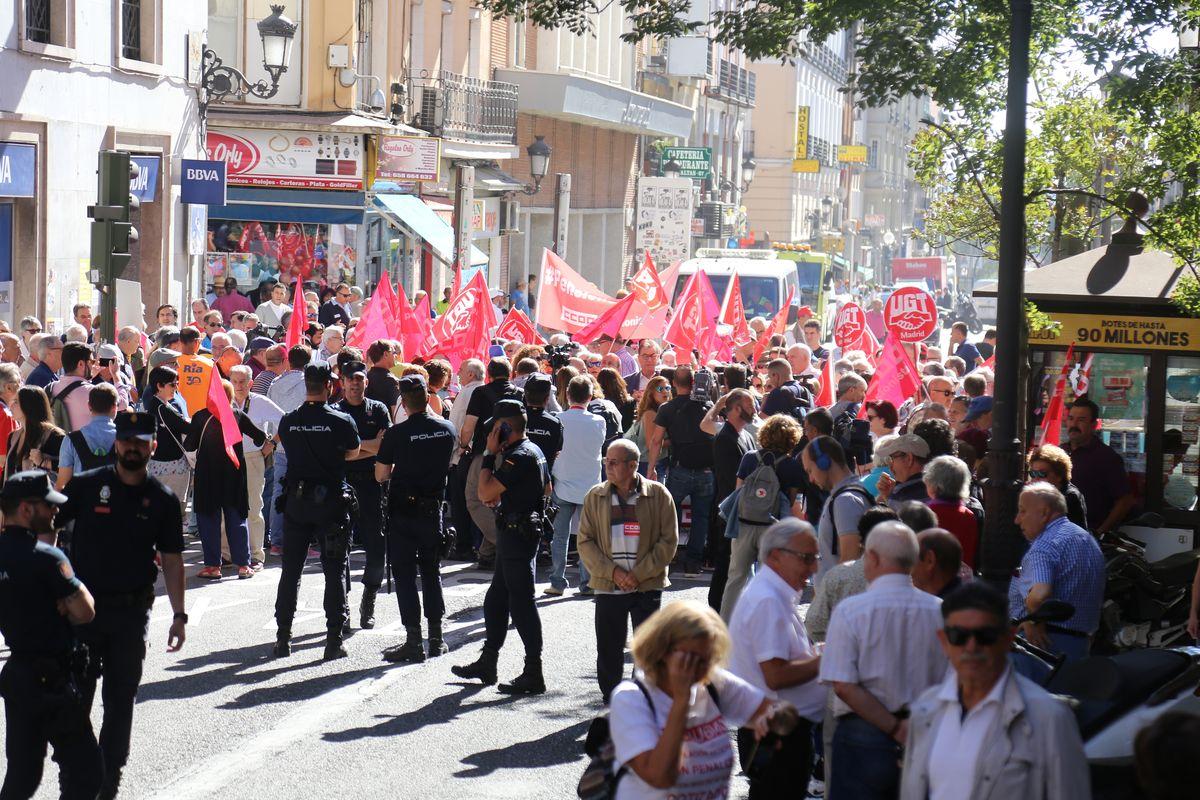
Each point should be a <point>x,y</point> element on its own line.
<point>315,490</point>
<point>527,523</point>
<point>415,503</point>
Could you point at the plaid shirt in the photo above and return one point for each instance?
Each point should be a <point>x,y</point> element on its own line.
<point>1066,557</point>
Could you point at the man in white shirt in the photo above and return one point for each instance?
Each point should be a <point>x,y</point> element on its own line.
<point>576,470</point>
<point>470,378</point>
<point>772,651</point>
<point>882,651</point>
<point>986,731</point>
<point>265,415</point>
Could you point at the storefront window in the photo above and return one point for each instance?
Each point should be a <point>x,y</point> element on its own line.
<point>287,251</point>
<point>1116,382</point>
<point>1181,448</point>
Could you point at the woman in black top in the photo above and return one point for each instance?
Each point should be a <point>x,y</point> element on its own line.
<point>1052,464</point>
<point>168,463</point>
<point>613,386</point>
<point>220,489</point>
<point>36,443</point>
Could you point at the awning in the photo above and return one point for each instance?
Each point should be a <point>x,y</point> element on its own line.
<point>494,180</point>
<point>291,205</point>
<point>412,214</point>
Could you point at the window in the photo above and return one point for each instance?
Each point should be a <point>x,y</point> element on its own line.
<point>137,28</point>
<point>37,21</point>
<point>1181,441</point>
<point>47,27</point>
<point>131,29</point>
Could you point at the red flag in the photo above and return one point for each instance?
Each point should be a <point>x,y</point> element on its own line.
<point>609,322</point>
<point>708,341</point>
<point>409,329</point>
<point>422,316</point>
<point>646,285</point>
<point>895,379</point>
<point>373,324</point>
<point>391,304</point>
<point>1051,432</point>
<point>990,361</point>
<point>463,331</point>
<point>519,328</point>
<point>778,326</point>
<point>733,313</point>
<point>828,394</point>
<point>681,332</point>
<point>218,405</point>
<point>299,321</point>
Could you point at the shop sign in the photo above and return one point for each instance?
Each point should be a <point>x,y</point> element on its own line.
<point>852,153</point>
<point>145,186</point>
<point>409,158</point>
<point>1121,333</point>
<point>695,162</point>
<point>485,218</point>
<point>202,183</point>
<point>663,222</point>
<point>18,169</point>
<point>801,151</point>
<point>807,165</point>
<point>289,159</point>
<point>874,221</point>
<point>910,314</point>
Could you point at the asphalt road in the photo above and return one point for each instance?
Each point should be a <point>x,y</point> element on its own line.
<point>221,717</point>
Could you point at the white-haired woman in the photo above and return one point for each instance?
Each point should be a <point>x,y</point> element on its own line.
<point>948,482</point>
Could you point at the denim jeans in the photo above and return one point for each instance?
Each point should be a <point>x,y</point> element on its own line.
<point>698,485</point>
<point>276,530</point>
<point>866,762</point>
<point>236,531</point>
<point>565,523</point>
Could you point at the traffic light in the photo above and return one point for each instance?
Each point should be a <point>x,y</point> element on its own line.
<point>112,231</point>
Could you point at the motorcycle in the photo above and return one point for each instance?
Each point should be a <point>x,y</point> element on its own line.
<point>964,311</point>
<point>1146,604</point>
<point>1115,696</point>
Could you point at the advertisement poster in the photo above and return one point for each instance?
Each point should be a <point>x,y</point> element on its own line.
<point>664,220</point>
<point>409,158</point>
<point>289,159</point>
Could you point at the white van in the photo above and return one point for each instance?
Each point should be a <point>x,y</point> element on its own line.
<point>765,279</point>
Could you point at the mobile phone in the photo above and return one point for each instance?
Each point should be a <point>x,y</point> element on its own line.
<point>505,430</point>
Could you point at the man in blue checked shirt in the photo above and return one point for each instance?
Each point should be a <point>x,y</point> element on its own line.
<point>1063,563</point>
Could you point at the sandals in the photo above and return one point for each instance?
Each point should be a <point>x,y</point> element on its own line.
<point>245,572</point>
<point>210,573</point>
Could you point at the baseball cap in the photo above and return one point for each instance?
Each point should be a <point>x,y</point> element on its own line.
<point>163,355</point>
<point>506,409</point>
<point>353,368</point>
<point>260,343</point>
<point>32,484</point>
<point>905,443</point>
<point>135,425</point>
<point>536,379</point>
<point>110,351</point>
<point>496,293</point>
<point>318,371</point>
<point>979,406</point>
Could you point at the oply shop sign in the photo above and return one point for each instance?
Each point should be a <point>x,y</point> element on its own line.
<point>289,159</point>
<point>910,314</point>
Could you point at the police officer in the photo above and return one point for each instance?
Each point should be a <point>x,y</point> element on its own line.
<point>415,457</point>
<point>514,474</point>
<point>40,600</point>
<point>318,441</point>
<point>542,427</point>
<point>371,419</point>
<point>124,518</point>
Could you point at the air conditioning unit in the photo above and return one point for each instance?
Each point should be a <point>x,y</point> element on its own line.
<point>510,216</point>
<point>657,62</point>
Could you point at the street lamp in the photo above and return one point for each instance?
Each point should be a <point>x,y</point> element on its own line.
<point>748,168</point>
<point>220,81</point>
<point>539,161</point>
<point>672,169</point>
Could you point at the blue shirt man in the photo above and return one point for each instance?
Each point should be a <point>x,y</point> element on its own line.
<point>100,434</point>
<point>41,376</point>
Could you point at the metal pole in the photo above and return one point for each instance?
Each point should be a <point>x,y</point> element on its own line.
<point>562,212</point>
<point>464,207</point>
<point>1001,542</point>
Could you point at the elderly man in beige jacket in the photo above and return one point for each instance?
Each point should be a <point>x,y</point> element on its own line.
<point>628,534</point>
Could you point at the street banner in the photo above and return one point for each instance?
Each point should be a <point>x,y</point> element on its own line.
<point>1051,431</point>
<point>896,377</point>
<point>849,325</point>
<point>647,286</point>
<point>910,314</point>
<point>464,330</point>
<point>568,302</point>
<point>299,321</point>
<point>733,314</point>
<point>519,328</point>
<point>217,403</point>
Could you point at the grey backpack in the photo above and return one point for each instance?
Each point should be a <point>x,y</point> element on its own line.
<point>759,500</point>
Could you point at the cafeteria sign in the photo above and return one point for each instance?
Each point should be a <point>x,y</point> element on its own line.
<point>696,162</point>
<point>1121,333</point>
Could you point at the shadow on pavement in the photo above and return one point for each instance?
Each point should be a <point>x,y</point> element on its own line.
<point>441,711</point>
<point>562,747</point>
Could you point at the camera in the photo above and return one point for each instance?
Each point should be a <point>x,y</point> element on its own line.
<point>702,386</point>
<point>558,356</point>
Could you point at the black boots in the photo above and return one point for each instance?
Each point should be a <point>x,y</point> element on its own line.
<point>483,670</point>
<point>528,682</point>
<point>283,645</point>
<point>333,647</point>
<point>366,609</point>
<point>411,652</point>
<point>437,646</point>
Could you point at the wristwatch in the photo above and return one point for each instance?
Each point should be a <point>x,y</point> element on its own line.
<point>181,616</point>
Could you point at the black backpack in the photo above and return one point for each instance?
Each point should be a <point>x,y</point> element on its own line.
<point>89,458</point>
<point>855,487</point>
<point>854,435</point>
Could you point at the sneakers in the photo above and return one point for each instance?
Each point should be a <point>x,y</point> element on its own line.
<point>586,591</point>
<point>246,572</point>
<point>256,567</point>
<point>314,552</point>
<point>484,565</point>
<point>553,591</point>
<point>276,550</point>
<point>210,573</point>
<point>483,669</point>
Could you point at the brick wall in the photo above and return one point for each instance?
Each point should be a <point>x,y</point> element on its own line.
<point>602,162</point>
<point>499,42</point>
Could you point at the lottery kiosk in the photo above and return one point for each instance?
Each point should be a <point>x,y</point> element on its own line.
<point>1138,358</point>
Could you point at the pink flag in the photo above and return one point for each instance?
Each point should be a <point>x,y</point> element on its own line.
<point>390,303</point>
<point>518,328</point>
<point>412,325</point>
<point>299,321</point>
<point>895,378</point>
<point>372,326</point>
<point>733,313</point>
<point>218,405</point>
<point>609,322</point>
<point>463,331</point>
<point>1051,431</point>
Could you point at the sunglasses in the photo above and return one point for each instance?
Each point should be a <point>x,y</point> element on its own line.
<point>807,558</point>
<point>945,392</point>
<point>663,390</point>
<point>33,330</point>
<point>958,637</point>
<point>1038,473</point>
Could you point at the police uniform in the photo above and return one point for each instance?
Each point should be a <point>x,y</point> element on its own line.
<point>370,418</point>
<point>315,439</point>
<point>418,451</point>
<point>543,427</point>
<point>39,683</point>
<point>118,531</point>
<point>521,468</point>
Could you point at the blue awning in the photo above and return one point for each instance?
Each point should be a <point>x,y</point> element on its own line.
<point>410,213</point>
<point>254,204</point>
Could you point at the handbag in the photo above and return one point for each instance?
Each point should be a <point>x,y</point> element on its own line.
<point>188,455</point>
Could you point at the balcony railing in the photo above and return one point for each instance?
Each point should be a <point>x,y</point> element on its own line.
<point>464,109</point>
<point>827,61</point>
<point>821,150</point>
<point>733,83</point>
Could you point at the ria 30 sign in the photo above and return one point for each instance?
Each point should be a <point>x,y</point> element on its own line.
<point>289,159</point>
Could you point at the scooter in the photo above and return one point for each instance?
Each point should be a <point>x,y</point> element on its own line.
<point>1115,696</point>
<point>964,311</point>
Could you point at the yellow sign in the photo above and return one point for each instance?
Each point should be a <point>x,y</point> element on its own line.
<point>801,153</point>
<point>852,154</point>
<point>806,165</point>
<point>1098,331</point>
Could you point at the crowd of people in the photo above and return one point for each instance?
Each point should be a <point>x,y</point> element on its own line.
<point>615,465</point>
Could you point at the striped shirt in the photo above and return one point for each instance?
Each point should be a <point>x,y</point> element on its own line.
<point>1066,557</point>
<point>263,381</point>
<point>625,530</point>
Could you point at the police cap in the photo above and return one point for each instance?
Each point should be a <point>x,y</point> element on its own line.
<point>317,371</point>
<point>135,425</point>
<point>538,380</point>
<point>507,408</point>
<point>32,484</point>
<point>354,368</point>
<point>260,343</point>
<point>411,383</point>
